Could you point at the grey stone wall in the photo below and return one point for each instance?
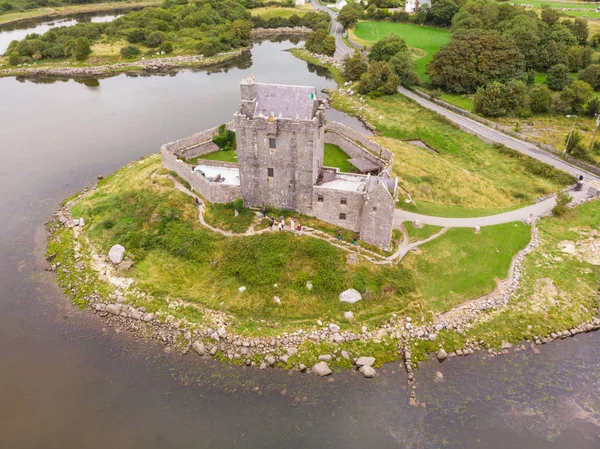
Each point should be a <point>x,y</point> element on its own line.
<point>199,150</point>
<point>295,161</point>
<point>212,191</point>
<point>188,143</point>
<point>377,217</point>
<point>329,210</point>
<point>352,148</point>
<point>352,134</point>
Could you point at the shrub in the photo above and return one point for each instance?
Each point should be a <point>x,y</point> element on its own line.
<point>225,140</point>
<point>130,51</point>
<point>14,58</point>
<point>136,36</point>
<point>155,39</point>
<point>166,47</point>
<point>207,48</point>
<point>540,99</point>
<point>80,48</point>
<point>384,49</point>
<point>320,42</point>
<point>562,201</point>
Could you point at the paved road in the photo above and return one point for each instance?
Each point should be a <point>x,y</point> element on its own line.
<point>522,214</point>
<point>341,49</point>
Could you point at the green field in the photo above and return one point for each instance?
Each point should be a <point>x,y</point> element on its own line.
<point>428,39</point>
<point>275,11</point>
<point>539,4</point>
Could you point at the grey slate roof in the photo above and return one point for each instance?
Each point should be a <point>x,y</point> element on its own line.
<point>285,101</point>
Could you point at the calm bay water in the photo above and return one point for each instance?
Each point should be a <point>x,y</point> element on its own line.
<point>67,381</point>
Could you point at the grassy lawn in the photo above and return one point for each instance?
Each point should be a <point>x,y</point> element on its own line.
<point>45,12</point>
<point>440,210</point>
<point>175,257</point>
<point>465,102</point>
<point>417,234</point>
<point>275,11</point>
<point>428,39</point>
<point>221,155</point>
<point>464,172</point>
<point>559,289</point>
<point>455,254</point>
<point>336,157</point>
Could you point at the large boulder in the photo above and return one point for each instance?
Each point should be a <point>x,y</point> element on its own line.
<point>321,369</point>
<point>199,347</point>
<point>350,296</point>
<point>367,371</point>
<point>365,361</point>
<point>116,254</point>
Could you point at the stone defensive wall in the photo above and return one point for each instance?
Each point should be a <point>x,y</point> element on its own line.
<point>357,145</point>
<point>193,146</point>
<point>330,208</point>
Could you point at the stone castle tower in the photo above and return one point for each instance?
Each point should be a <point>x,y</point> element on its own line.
<point>280,140</point>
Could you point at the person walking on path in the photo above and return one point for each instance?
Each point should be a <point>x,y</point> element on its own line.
<point>264,211</point>
<point>197,201</point>
<point>281,225</point>
<point>339,236</point>
<point>299,228</point>
<point>293,225</point>
<point>355,240</point>
<point>271,223</point>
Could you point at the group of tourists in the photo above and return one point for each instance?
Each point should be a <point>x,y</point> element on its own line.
<point>295,225</point>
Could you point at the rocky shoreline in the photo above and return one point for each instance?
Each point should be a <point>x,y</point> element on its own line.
<point>214,338</point>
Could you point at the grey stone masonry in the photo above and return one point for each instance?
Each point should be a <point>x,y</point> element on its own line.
<point>280,138</point>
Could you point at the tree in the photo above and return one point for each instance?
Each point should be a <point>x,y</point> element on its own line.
<point>475,58</point>
<point>320,42</point>
<point>242,29</point>
<point>592,107</point>
<point>385,48</point>
<point>540,99</point>
<point>489,100</point>
<point>577,94</point>
<point>441,12</point>
<point>515,97</point>
<point>591,75</point>
<point>81,48</point>
<point>579,28</point>
<point>550,15</point>
<point>595,40</point>
<point>354,66</point>
<point>349,15</point>
<point>403,66</point>
<point>558,77</point>
<point>379,80</point>
<point>14,58</point>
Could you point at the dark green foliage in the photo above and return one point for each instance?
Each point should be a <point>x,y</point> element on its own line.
<point>489,100</point>
<point>379,80</point>
<point>595,40</point>
<point>550,15</point>
<point>572,140</point>
<point>80,48</point>
<point>206,26</point>
<point>355,66</point>
<point>441,12</point>
<point>350,14</point>
<point>130,51</point>
<point>562,201</point>
<point>540,99</point>
<point>576,95</point>
<point>530,77</point>
<point>384,49</point>
<point>155,39</point>
<point>592,107</point>
<point>558,77</point>
<point>320,42</point>
<point>14,58</point>
<point>475,58</point>
<point>404,67</point>
<point>591,75</point>
<point>225,140</point>
<point>6,6</point>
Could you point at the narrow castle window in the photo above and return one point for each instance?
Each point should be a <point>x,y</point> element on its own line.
<point>342,216</point>
<point>272,143</point>
<point>270,172</point>
<point>343,201</point>
<point>375,209</point>
<point>320,198</point>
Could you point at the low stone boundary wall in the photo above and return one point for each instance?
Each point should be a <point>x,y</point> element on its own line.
<point>376,149</point>
<point>351,148</point>
<point>186,147</point>
<point>212,191</point>
<point>581,164</point>
<point>212,163</point>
